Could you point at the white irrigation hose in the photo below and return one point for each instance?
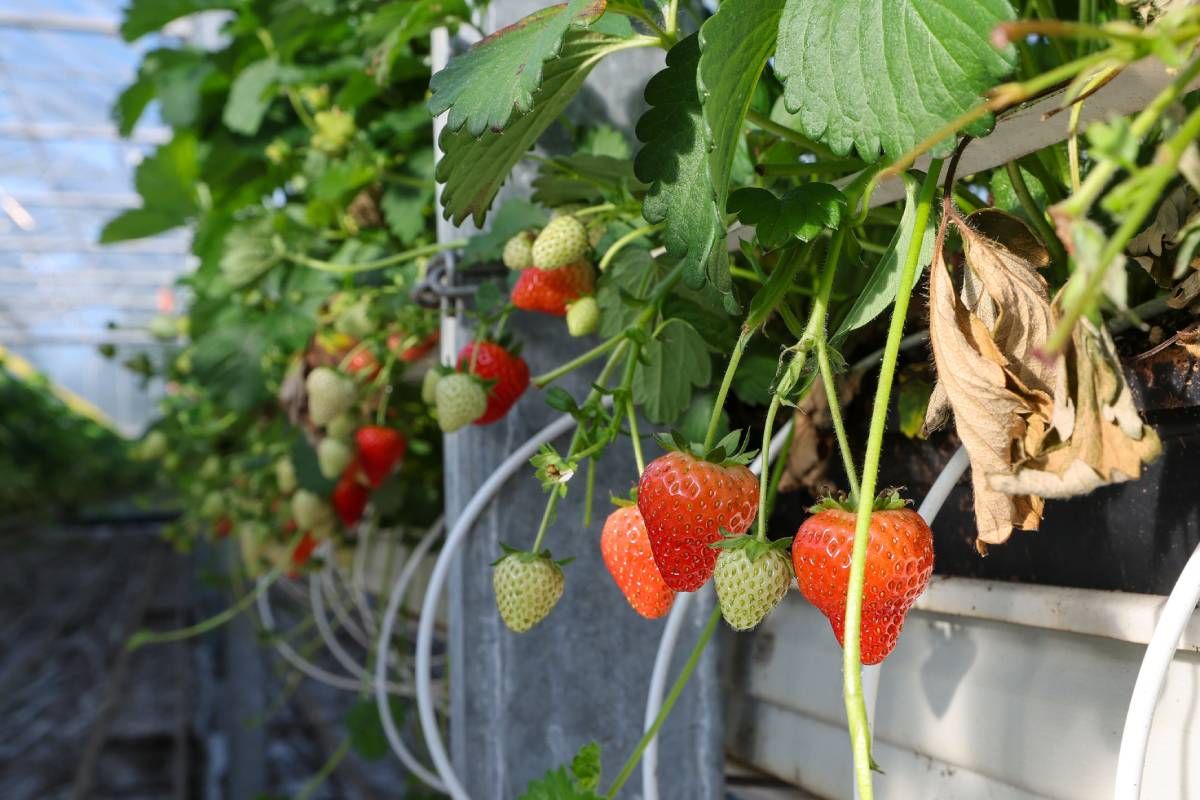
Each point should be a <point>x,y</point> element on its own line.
<point>358,576</point>
<point>666,646</point>
<point>1135,738</point>
<point>462,526</point>
<point>395,603</point>
<point>331,593</point>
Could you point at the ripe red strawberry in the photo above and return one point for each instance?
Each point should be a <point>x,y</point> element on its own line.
<point>411,350</point>
<point>899,563</point>
<point>363,364</point>
<point>509,372</point>
<point>379,451</point>
<point>686,502</point>
<point>223,527</point>
<point>549,291</point>
<point>302,553</point>
<point>350,497</point>
<point>625,546</point>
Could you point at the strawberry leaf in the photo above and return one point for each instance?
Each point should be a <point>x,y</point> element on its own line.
<point>474,167</point>
<point>496,79</point>
<point>677,360</point>
<point>803,212</point>
<point>907,67</point>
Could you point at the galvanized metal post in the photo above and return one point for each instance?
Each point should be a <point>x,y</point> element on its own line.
<point>522,704</point>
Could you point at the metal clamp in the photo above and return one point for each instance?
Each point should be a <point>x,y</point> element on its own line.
<point>442,283</point>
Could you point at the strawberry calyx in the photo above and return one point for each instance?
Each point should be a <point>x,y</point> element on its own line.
<point>625,502</point>
<point>754,547</point>
<point>887,500</point>
<point>527,556</point>
<point>730,451</point>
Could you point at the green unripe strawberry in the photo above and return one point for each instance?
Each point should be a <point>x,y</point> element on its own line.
<point>751,578</point>
<point>329,394</point>
<point>527,587</point>
<point>518,251</point>
<point>583,316</point>
<point>210,468</point>
<point>213,505</point>
<point>564,241</point>
<point>341,427</point>
<point>311,512</point>
<point>429,386</point>
<point>355,320</point>
<point>277,151</point>
<point>285,475</point>
<point>153,446</point>
<point>163,327</point>
<point>333,456</point>
<point>460,401</point>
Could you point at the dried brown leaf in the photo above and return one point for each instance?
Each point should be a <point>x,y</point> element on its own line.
<point>985,338</point>
<point>1097,436</point>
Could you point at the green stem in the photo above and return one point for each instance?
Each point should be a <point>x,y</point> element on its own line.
<point>379,263</point>
<point>714,420</point>
<point>835,414</point>
<point>547,515</point>
<point>602,208</point>
<point>764,474</point>
<point>1081,201</point>
<point>779,468</point>
<point>856,711</point>
<point>142,638</point>
<point>591,490</point>
<point>769,125</point>
<point>635,437</point>
<point>1036,215</point>
<point>540,381</point>
<point>621,243</point>
<point>672,18</point>
<point>1166,162</point>
<point>314,783</point>
<point>668,703</point>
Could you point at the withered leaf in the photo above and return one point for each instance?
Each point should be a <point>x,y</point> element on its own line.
<point>1096,437</point>
<point>984,340</point>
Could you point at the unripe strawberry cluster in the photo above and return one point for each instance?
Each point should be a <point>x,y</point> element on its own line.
<point>486,381</point>
<point>556,273</point>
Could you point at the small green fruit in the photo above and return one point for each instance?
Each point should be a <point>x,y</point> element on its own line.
<point>329,394</point>
<point>564,241</point>
<point>429,386</point>
<point>527,588</point>
<point>460,401</point>
<point>749,588</point>
<point>333,456</point>
<point>518,251</point>
<point>583,316</point>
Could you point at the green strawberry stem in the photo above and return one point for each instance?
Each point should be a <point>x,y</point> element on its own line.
<point>1150,192</point>
<point>621,243</point>
<point>645,318</point>
<point>668,703</point>
<point>385,374</point>
<point>714,420</point>
<point>779,468</point>
<point>835,413</point>
<point>378,263</point>
<point>764,475</point>
<point>852,691</point>
<point>591,491</point>
<point>635,436</point>
<point>602,208</point>
<point>314,783</point>
<point>625,395</point>
<point>142,638</point>
<point>572,452</point>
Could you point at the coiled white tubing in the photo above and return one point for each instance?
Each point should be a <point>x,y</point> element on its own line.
<point>462,526</point>
<point>1147,689</point>
<point>395,603</point>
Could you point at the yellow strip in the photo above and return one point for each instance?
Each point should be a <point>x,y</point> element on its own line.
<point>26,371</point>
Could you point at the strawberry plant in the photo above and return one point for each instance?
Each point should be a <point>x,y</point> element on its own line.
<point>800,169</point>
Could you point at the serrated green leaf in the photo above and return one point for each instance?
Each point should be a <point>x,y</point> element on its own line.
<point>905,67</point>
<point>755,374</point>
<point>620,292</point>
<point>583,178</point>
<point>496,79</point>
<point>473,168</point>
<point>166,180</point>
<point>718,329</point>
<point>250,96</point>
<point>802,213</point>
<point>514,216</point>
<point>404,209</point>
<point>674,161</point>
<point>586,767</point>
<point>365,728</point>
<point>406,21</point>
<point>248,252</point>
<point>131,103</point>
<point>735,44</point>
<point>147,16</point>
<point>880,289</point>
<point>676,362</point>
<point>228,360</point>
<point>308,470</point>
<point>605,140</point>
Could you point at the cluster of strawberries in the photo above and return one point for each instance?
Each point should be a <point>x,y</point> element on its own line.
<point>690,523</point>
<point>557,278</point>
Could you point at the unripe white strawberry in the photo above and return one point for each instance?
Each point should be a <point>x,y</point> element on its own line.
<point>583,316</point>
<point>329,394</point>
<point>311,512</point>
<point>429,386</point>
<point>518,251</point>
<point>750,581</point>
<point>527,587</point>
<point>285,475</point>
<point>333,456</point>
<point>460,401</point>
<point>564,241</point>
<point>341,427</point>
